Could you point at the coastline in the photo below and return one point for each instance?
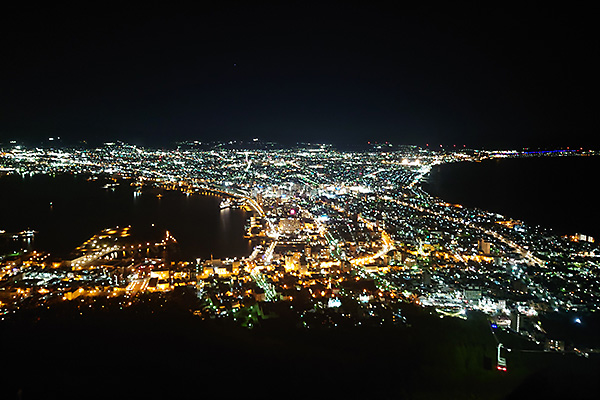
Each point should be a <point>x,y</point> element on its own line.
<point>530,196</point>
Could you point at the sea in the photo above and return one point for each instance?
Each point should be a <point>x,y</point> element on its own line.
<point>557,193</point>
<point>65,210</point>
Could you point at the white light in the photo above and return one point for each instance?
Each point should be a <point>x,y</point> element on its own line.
<point>334,303</point>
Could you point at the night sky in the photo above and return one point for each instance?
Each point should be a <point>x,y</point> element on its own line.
<point>300,72</point>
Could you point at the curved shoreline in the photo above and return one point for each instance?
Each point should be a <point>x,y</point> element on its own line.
<point>505,193</point>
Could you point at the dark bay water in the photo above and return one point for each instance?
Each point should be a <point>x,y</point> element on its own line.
<point>81,209</point>
<point>553,192</point>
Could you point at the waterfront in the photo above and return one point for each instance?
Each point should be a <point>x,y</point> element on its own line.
<point>553,192</point>
<point>65,210</point>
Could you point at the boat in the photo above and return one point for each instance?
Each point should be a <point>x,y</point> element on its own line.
<point>225,203</point>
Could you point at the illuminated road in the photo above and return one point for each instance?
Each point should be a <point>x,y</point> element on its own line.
<point>388,244</point>
<point>268,256</point>
<point>255,253</point>
<point>259,278</point>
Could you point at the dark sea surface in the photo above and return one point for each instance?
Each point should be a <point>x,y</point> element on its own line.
<point>66,210</point>
<point>560,193</point>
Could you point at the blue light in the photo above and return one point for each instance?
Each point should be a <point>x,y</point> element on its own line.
<point>494,326</point>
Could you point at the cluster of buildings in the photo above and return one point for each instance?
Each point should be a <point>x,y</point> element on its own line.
<point>339,239</point>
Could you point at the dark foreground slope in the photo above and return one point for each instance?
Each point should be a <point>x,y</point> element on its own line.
<point>127,354</point>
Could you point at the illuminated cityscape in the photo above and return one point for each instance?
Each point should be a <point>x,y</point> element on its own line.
<point>338,239</point>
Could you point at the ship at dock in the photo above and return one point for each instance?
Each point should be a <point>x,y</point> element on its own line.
<point>225,203</point>
<point>231,203</point>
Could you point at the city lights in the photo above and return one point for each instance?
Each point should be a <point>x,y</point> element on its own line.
<point>343,238</point>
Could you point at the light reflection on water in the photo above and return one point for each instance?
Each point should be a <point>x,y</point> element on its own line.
<point>67,210</point>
